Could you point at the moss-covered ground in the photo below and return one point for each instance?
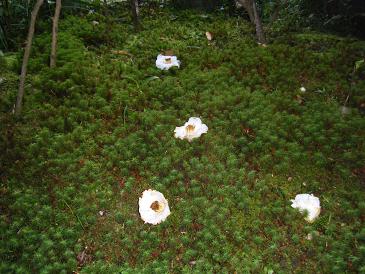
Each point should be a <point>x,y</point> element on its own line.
<point>98,130</point>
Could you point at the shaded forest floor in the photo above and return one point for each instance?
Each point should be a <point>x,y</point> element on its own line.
<point>98,130</point>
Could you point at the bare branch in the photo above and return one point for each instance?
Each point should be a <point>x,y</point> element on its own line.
<point>54,34</point>
<point>18,106</point>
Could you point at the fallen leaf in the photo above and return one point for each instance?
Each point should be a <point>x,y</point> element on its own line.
<point>83,257</point>
<point>121,183</point>
<point>121,52</point>
<point>299,99</point>
<point>209,36</point>
<point>151,78</point>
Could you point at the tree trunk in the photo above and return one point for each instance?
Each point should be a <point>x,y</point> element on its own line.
<point>259,30</point>
<point>5,23</point>
<point>52,63</point>
<point>135,15</point>
<point>19,99</point>
<point>250,7</point>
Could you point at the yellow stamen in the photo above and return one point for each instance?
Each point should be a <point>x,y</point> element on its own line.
<point>157,206</point>
<point>168,61</point>
<point>189,129</point>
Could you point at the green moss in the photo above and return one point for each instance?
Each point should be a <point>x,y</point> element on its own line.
<point>98,130</point>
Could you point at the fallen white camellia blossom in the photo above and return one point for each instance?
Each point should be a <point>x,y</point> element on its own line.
<point>309,203</point>
<point>153,207</point>
<point>191,129</point>
<point>302,89</point>
<point>165,62</point>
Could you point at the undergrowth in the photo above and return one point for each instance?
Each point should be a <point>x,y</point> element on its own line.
<point>98,130</point>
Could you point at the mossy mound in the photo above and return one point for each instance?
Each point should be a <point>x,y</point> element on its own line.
<point>98,130</point>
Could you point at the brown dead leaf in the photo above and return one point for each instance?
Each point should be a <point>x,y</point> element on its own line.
<point>83,257</point>
<point>155,254</point>
<point>197,226</point>
<point>248,131</point>
<point>121,52</point>
<point>121,183</point>
<point>299,99</point>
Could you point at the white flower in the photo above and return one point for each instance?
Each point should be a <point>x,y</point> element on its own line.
<point>302,89</point>
<point>153,207</point>
<point>191,129</point>
<point>95,23</point>
<point>165,62</point>
<point>309,203</point>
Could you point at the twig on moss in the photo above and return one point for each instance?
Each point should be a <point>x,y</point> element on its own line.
<point>77,217</point>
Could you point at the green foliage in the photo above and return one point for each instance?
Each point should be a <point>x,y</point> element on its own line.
<point>15,17</point>
<point>340,16</point>
<point>98,130</point>
<point>206,5</point>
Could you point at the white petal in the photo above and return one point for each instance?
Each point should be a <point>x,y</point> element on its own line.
<point>180,132</point>
<point>195,121</point>
<point>309,203</point>
<point>203,129</point>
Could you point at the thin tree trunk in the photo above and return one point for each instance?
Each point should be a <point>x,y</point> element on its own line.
<point>250,7</point>
<point>52,63</point>
<point>135,14</point>
<point>5,22</point>
<point>259,30</point>
<point>19,99</point>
